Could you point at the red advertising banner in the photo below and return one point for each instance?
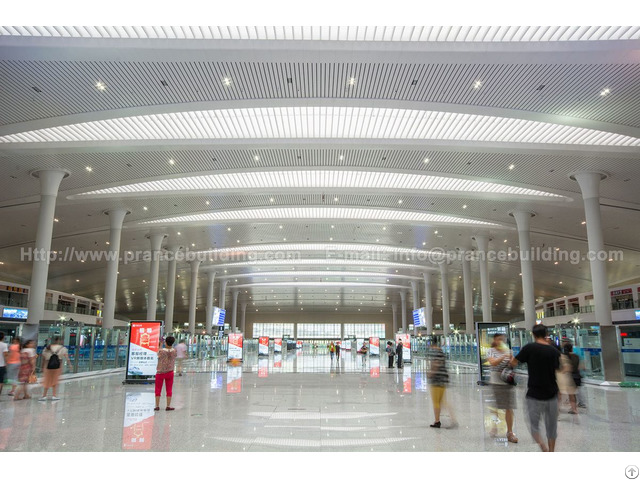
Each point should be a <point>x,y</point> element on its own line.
<point>235,347</point>
<point>144,343</point>
<point>374,346</point>
<point>624,291</point>
<point>277,345</point>
<point>263,346</point>
<point>406,345</point>
<point>299,344</point>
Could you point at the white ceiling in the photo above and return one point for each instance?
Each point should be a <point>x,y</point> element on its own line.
<point>558,83</point>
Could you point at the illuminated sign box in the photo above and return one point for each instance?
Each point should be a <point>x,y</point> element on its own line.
<point>15,313</point>
<point>218,317</point>
<point>418,317</point>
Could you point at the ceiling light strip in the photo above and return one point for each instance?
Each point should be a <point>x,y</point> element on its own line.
<point>318,284</point>
<point>322,122</point>
<point>319,273</point>
<point>294,263</point>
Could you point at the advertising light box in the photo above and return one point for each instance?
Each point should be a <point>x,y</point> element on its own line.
<point>235,347</point>
<point>263,346</point>
<point>144,343</point>
<point>359,344</point>
<point>299,344</point>
<point>484,334</point>
<point>15,313</point>
<point>277,345</point>
<point>406,345</point>
<point>418,318</point>
<point>374,346</point>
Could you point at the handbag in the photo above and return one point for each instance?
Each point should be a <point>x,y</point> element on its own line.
<point>33,378</point>
<point>508,376</point>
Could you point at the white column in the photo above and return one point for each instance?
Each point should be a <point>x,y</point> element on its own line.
<point>193,295</point>
<point>415,294</point>
<point>526,266</point>
<point>211,278</point>
<point>295,332</point>
<point>428,303</point>
<point>590,186</point>
<point>116,217</point>
<point>342,332</point>
<point>49,184</point>
<point>468,294</point>
<point>234,321</point>
<point>223,294</point>
<point>485,289</point>
<point>403,299</point>
<point>152,297</point>
<point>171,289</point>
<point>444,285</point>
<point>243,318</point>
<point>394,310</point>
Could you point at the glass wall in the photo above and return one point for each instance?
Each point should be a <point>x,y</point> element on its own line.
<point>273,330</point>
<point>318,330</point>
<point>364,330</point>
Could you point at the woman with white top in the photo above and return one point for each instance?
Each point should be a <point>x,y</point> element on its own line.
<point>499,357</point>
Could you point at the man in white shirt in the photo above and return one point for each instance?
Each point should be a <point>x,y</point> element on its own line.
<point>4,353</point>
<point>181,350</point>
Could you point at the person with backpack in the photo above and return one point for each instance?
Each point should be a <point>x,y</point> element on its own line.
<point>391,352</point>
<point>332,350</point>
<point>52,358</point>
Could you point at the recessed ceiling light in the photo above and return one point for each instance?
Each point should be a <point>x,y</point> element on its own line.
<point>107,243</point>
<point>145,208</point>
<point>331,238</point>
<point>512,166</point>
<point>272,200</point>
<point>77,280</point>
<point>400,201</point>
<point>256,158</point>
<point>605,92</point>
<point>426,160</point>
<point>352,81</point>
<point>280,227</point>
<point>377,239</point>
<point>228,229</point>
<point>555,263</point>
<point>179,233</point>
<point>384,228</point>
<point>505,240</point>
<point>435,232</point>
<point>477,84</point>
<point>100,86</point>
<point>193,244</point>
<point>424,243</point>
<point>172,161</point>
<point>341,157</point>
<point>284,239</point>
<point>207,202</point>
<point>88,168</point>
<point>335,199</point>
<point>226,81</point>
<point>237,241</point>
<point>56,220</point>
<point>464,206</point>
<point>560,282</point>
<point>584,223</point>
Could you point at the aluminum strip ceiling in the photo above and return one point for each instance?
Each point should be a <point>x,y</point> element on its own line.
<point>318,261</point>
<point>307,179</point>
<point>319,273</point>
<point>323,122</point>
<point>341,33</point>
<point>318,284</point>
<point>317,213</point>
<point>324,247</point>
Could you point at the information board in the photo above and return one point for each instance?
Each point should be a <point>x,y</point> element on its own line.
<point>15,313</point>
<point>144,343</point>
<point>218,317</point>
<point>235,347</point>
<point>263,346</point>
<point>418,318</point>
<point>374,346</point>
<point>484,334</point>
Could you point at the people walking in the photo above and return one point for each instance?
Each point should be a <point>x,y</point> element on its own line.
<point>27,368</point>
<point>568,376</point>
<point>499,356</point>
<point>438,378</point>
<point>4,356</point>
<point>13,364</point>
<point>399,348</point>
<point>337,352</point>
<point>164,372</point>
<point>332,350</point>
<point>52,359</point>
<point>542,390</point>
<point>390,352</point>
<point>181,352</point>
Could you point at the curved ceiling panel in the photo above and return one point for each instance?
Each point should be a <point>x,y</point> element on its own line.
<point>318,284</point>
<point>327,33</point>
<point>315,179</point>
<point>323,123</point>
<point>324,262</point>
<point>320,213</point>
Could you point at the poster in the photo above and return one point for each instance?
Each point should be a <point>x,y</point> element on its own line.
<point>484,334</point>
<point>144,343</point>
<point>374,368</point>
<point>234,380</point>
<point>138,420</point>
<point>418,318</point>
<point>374,346</point>
<point>235,347</point>
<point>277,345</point>
<point>263,367</point>
<point>263,346</point>
<point>299,344</point>
<point>406,346</point>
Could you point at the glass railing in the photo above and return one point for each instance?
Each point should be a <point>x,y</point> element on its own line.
<point>627,305</point>
<point>15,302</point>
<point>80,310</point>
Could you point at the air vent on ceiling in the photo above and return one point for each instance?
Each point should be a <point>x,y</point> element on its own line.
<point>289,80</point>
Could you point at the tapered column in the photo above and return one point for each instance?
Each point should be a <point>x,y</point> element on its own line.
<point>468,294</point>
<point>243,318</point>
<point>223,293</point>
<point>394,310</point>
<point>485,289</point>
<point>49,185</point>
<point>428,303</point>
<point>403,299</point>
<point>526,266</point>
<point>116,217</point>
<point>295,332</point>
<point>211,277</point>
<point>234,321</point>
<point>342,332</point>
<point>193,295</point>
<point>152,297</point>
<point>171,288</point>
<point>415,294</point>
<point>444,285</point>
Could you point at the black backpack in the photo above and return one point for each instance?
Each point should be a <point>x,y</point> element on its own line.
<point>54,360</point>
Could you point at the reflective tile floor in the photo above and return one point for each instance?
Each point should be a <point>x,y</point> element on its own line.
<point>299,402</point>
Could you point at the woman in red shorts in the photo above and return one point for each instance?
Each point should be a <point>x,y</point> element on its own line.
<point>164,373</point>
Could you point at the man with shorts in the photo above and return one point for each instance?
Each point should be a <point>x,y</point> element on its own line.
<point>542,390</point>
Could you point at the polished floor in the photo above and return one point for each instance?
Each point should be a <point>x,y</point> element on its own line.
<point>300,402</point>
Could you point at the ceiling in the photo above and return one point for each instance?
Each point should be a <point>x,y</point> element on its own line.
<point>562,79</point>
